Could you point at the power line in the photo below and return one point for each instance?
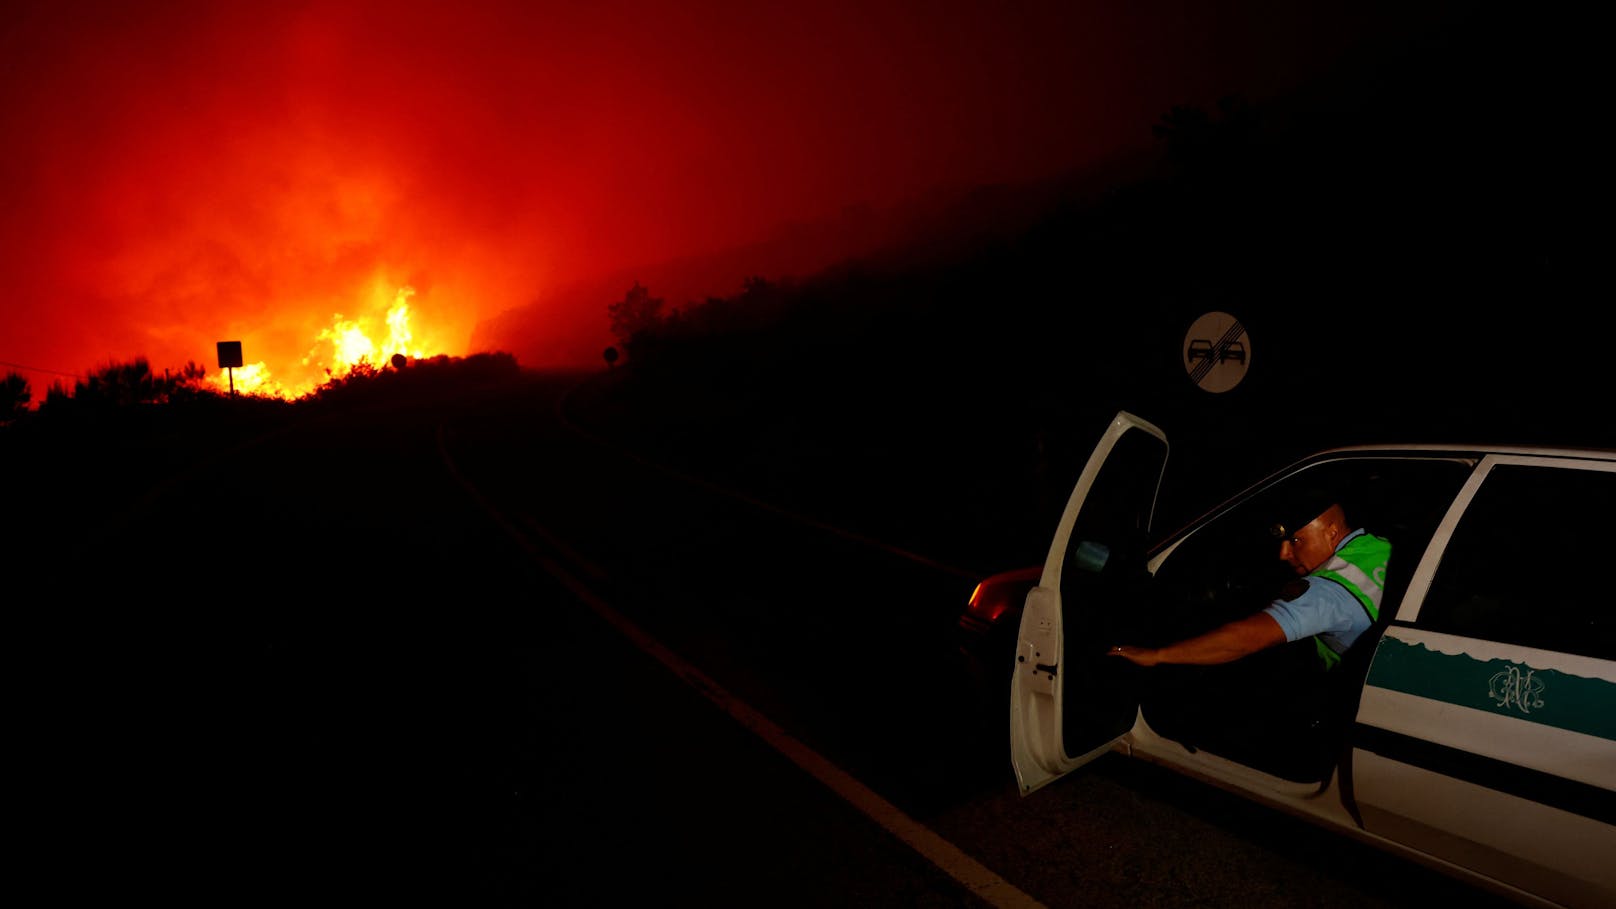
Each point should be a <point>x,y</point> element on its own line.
<point>54,372</point>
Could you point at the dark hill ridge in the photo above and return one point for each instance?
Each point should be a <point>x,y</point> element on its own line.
<point>1424,196</point>
<point>1422,155</point>
<point>1399,244</point>
<point>942,225</point>
<point>1400,241</point>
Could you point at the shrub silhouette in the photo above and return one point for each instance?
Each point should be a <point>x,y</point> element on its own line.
<point>14,397</point>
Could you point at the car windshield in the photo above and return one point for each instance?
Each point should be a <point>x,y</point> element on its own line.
<point>1401,498</point>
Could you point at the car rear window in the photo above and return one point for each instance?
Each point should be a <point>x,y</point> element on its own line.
<point>1526,563</point>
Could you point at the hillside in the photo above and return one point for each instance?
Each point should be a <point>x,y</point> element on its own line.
<point>1398,241</point>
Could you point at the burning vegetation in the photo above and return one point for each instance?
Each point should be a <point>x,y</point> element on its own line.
<point>344,355</point>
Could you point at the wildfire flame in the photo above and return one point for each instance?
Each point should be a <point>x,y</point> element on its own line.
<point>338,349</point>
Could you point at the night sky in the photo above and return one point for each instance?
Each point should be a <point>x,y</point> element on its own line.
<point>179,173</point>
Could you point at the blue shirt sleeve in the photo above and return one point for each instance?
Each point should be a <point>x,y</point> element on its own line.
<point>1325,608</point>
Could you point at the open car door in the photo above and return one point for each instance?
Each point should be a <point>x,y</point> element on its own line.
<point>1069,701</point>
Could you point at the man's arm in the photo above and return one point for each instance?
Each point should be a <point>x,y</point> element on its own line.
<point>1220,645</point>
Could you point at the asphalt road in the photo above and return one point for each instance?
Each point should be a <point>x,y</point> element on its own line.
<point>309,665</point>
<point>367,656</point>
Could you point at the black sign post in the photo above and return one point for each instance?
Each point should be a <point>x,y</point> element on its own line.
<point>229,359</point>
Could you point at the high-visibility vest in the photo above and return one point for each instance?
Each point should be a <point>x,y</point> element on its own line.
<point>1359,566</point>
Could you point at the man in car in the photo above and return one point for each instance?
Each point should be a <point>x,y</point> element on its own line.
<point>1341,574</point>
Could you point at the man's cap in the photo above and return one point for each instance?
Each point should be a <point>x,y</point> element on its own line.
<point>1299,510</point>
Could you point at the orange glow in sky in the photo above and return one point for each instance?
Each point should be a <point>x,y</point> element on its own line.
<point>181,173</point>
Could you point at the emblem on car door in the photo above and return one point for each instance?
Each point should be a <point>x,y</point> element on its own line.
<point>1514,688</point>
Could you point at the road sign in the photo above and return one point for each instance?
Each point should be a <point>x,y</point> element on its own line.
<point>1217,352</point>
<point>229,359</point>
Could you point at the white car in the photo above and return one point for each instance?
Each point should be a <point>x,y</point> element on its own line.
<point>1472,728</point>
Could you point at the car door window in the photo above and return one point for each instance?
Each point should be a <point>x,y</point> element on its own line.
<point>1230,567</point>
<point>1526,564</point>
<point>1107,543</point>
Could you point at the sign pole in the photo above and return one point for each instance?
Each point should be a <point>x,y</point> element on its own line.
<point>229,359</point>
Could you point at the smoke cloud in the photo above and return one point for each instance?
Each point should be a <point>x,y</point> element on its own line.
<point>179,173</point>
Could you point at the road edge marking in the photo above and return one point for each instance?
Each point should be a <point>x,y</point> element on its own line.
<point>947,857</point>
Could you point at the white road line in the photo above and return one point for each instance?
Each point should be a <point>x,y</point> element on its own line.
<point>971,874</point>
<point>572,556</point>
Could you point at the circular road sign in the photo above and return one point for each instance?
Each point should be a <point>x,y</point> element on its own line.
<point>1217,352</point>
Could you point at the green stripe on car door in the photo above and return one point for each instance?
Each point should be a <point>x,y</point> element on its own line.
<point>1546,696</point>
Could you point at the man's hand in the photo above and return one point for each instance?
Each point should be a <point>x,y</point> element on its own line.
<point>1220,645</point>
<point>1143,656</point>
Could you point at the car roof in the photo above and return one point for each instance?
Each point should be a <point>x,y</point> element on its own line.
<point>1457,450</point>
<point>1382,450</point>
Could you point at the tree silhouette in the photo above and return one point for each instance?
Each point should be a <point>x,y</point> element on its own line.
<point>118,385</point>
<point>635,318</point>
<point>57,398</point>
<point>14,397</point>
<point>1197,141</point>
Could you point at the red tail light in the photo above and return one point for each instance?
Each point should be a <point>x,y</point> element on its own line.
<point>1000,594</point>
<point>987,608</point>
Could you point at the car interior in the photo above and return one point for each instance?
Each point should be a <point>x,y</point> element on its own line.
<point>1275,710</point>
